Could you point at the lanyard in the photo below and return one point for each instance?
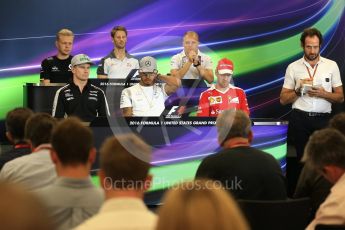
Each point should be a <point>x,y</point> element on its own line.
<point>21,146</point>
<point>311,76</point>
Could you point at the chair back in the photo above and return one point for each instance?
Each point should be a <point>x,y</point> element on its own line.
<point>283,214</point>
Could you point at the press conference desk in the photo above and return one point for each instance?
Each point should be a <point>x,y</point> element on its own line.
<point>40,97</point>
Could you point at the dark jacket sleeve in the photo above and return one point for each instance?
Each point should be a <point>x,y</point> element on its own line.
<point>58,110</point>
<point>103,110</point>
<point>45,72</point>
<point>312,184</point>
<point>100,68</point>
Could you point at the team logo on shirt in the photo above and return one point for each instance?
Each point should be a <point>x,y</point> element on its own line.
<point>234,100</point>
<point>215,100</point>
<point>55,69</point>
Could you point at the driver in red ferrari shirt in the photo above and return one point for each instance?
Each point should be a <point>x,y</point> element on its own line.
<point>222,95</point>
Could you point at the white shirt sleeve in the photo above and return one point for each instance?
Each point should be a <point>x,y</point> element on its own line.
<point>6,172</point>
<point>289,81</point>
<point>175,62</point>
<point>336,79</point>
<point>328,213</point>
<point>125,101</point>
<point>208,62</point>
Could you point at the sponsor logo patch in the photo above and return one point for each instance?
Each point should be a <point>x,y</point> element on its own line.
<point>234,100</point>
<point>55,69</point>
<point>215,100</point>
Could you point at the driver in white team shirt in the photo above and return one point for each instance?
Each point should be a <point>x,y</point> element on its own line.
<point>146,98</point>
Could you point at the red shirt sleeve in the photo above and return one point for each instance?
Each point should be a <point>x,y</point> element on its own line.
<point>204,105</point>
<point>244,102</point>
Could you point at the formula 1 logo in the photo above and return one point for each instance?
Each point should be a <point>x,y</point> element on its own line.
<point>173,113</point>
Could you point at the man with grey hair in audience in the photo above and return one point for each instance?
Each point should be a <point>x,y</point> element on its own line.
<point>325,152</point>
<point>124,176</point>
<point>247,172</point>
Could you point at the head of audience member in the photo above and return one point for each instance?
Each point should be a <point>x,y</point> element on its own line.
<point>233,126</point>
<point>124,166</point>
<point>73,153</point>
<point>119,36</point>
<point>224,71</point>
<point>148,71</point>
<point>15,124</point>
<point>21,210</point>
<point>64,43</point>
<point>311,41</point>
<point>200,205</point>
<point>81,64</point>
<point>38,129</point>
<point>325,152</point>
<point>338,122</point>
<point>190,42</point>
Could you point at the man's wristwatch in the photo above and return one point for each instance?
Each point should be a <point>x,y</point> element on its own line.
<point>298,92</point>
<point>196,65</point>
